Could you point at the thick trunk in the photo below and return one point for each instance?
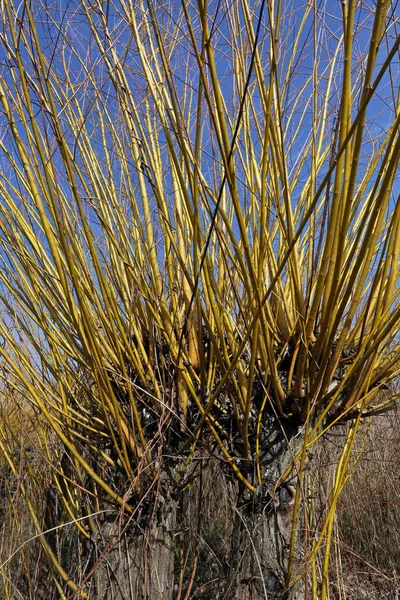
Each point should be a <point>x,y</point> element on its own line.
<point>138,565</point>
<point>214,541</point>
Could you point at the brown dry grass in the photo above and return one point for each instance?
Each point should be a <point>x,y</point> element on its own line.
<point>367,556</point>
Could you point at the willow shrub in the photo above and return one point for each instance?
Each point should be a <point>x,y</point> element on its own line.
<point>200,224</point>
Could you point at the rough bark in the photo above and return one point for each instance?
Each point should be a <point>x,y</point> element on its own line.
<point>215,541</point>
<point>138,565</point>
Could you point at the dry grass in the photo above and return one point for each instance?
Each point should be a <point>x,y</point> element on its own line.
<point>369,509</point>
<point>366,555</point>
<point>24,476</point>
